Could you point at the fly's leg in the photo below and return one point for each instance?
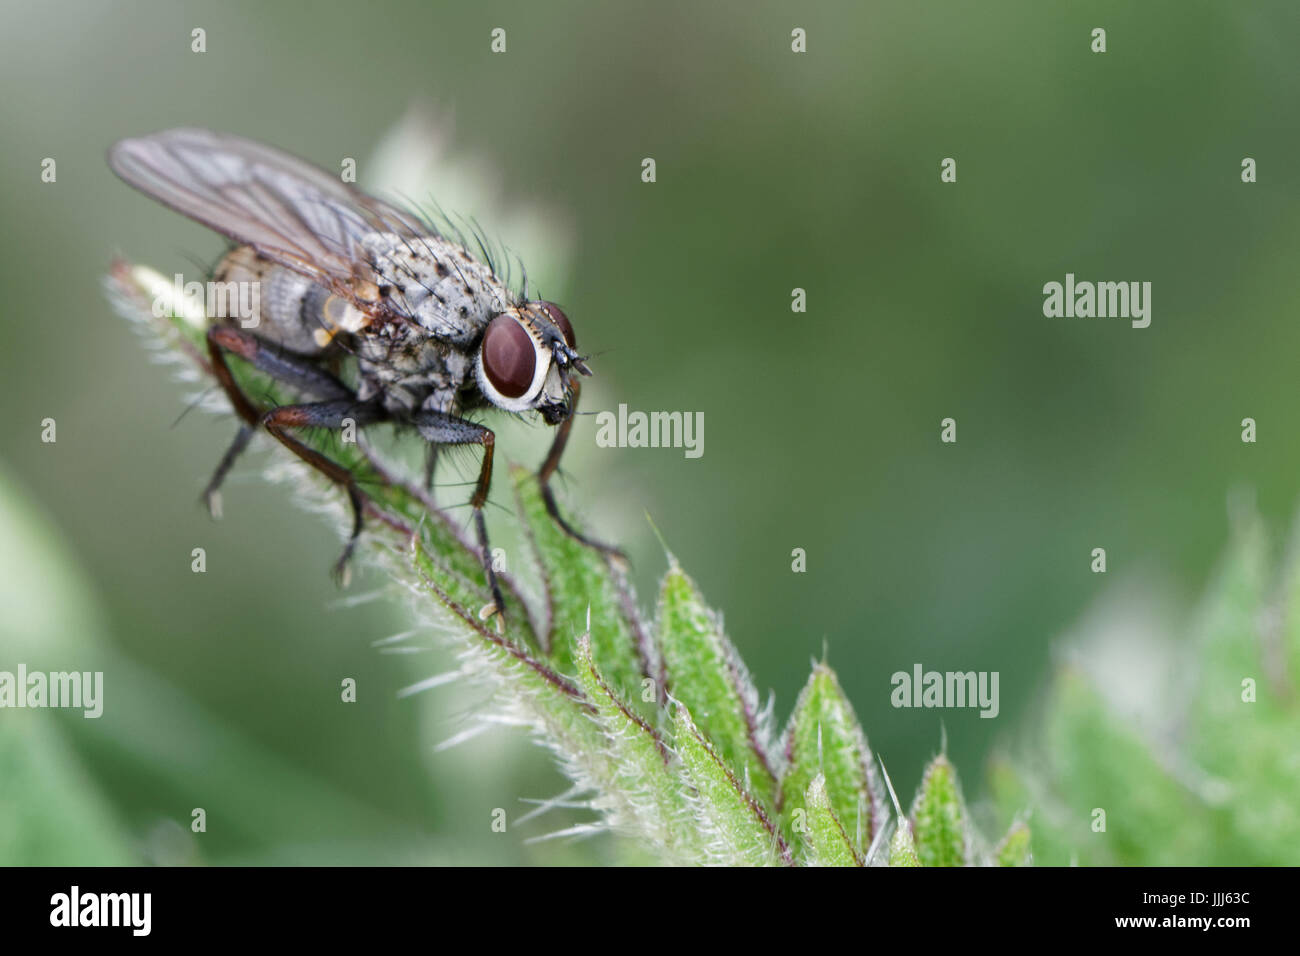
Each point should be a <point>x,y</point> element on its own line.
<point>212,493</point>
<point>326,415</point>
<point>441,429</point>
<point>291,370</point>
<point>548,469</point>
<point>430,465</point>
<point>339,403</point>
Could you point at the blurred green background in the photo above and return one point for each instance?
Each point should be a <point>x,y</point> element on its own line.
<point>775,171</point>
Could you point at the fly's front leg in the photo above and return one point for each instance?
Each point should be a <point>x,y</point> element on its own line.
<point>548,469</point>
<point>441,429</point>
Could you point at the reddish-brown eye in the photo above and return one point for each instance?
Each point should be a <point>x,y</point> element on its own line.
<point>561,322</point>
<point>509,359</point>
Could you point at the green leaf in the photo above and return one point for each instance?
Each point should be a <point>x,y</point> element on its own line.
<point>823,739</point>
<point>1213,780</point>
<point>1107,766</point>
<point>730,818</point>
<point>580,581</point>
<point>1014,849</point>
<point>643,789</point>
<point>939,816</point>
<point>550,700</point>
<point>1013,791</point>
<point>1228,639</point>
<point>827,844</point>
<point>1287,616</point>
<point>705,673</point>
<point>902,846</point>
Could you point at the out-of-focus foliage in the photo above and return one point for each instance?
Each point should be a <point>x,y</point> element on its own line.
<point>1211,778</point>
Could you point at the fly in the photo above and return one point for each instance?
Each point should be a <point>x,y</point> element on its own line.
<point>431,331</point>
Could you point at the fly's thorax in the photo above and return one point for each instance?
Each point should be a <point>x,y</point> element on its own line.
<point>404,366</point>
<point>436,284</point>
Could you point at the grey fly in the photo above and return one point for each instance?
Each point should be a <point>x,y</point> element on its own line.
<point>430,331</point>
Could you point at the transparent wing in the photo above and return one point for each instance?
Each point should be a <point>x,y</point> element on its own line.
<point>290,211</point>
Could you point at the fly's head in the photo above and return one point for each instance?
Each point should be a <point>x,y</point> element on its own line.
<point>525,359</point>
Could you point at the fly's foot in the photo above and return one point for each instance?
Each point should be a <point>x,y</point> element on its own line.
<point>618,558</point>
<point>212,501</point>
<point>342,571</point>
<point>493,612</point>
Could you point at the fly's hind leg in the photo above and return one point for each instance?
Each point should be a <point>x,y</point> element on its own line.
<point>339,404</point>
<point>547,471</point>
<point>293,370</point>
<point>212,493</point>
<point>327,415</point>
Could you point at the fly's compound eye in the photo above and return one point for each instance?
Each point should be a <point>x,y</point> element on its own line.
<point>557,316</point>
<point>509,357</point>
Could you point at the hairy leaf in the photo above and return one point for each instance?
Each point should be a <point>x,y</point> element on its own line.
<point>706,674</point>
<point>824,739</point>
<point>827,843</point>
<point>939,817</point>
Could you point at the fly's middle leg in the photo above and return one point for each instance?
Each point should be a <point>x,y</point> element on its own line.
<point>327,415</point>
<point>441,429</point>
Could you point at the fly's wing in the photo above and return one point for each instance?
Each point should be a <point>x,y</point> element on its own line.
<point>290,211</point>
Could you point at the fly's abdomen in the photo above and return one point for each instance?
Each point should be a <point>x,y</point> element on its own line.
<point>274,303</point>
